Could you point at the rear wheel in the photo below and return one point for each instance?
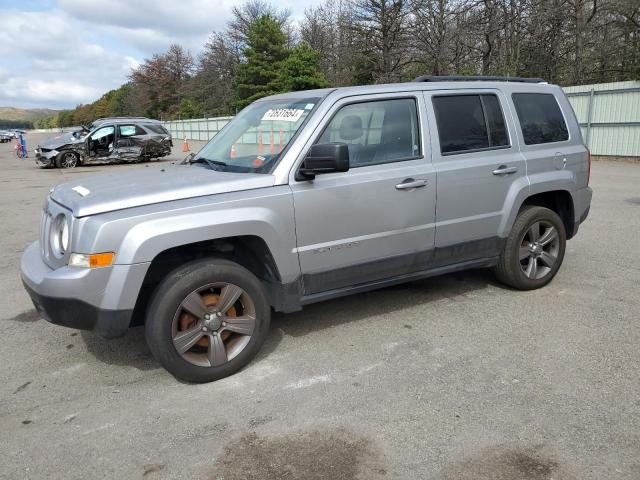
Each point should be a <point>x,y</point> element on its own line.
<point>207,320</point>
<point>67,160</point>
<point>534,250</point>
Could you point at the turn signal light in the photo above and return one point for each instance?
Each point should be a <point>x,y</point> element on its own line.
<point>95,260</point>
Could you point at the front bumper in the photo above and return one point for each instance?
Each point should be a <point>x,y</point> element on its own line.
<point>74,313</point>
<point>45,159</point>
<point>100,299</point>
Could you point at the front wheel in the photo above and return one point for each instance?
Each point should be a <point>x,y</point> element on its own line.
<point>67,160</point>
<point>207,320</point>
<point>534,250</point>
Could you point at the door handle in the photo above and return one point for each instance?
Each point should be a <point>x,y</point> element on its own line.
<point>504,170</point>
<point>410,183</point>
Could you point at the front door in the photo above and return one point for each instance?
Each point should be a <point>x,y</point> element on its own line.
<point>377,220</point>
<point>100,142</point>
<point>479,165</point>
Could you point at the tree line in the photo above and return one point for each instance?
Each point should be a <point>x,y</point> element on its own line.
<point>350,42</point>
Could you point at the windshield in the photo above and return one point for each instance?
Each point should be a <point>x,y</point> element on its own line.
<point>254,139</point>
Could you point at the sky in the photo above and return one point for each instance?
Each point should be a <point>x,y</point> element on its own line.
<point>61,53</point>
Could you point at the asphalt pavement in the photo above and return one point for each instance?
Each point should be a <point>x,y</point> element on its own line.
<point>454,377</point>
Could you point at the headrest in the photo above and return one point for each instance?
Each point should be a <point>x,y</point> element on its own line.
<point>351,127</point>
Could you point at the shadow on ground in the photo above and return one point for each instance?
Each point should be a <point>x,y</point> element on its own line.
<point>392,300</point>
<point>26,317</point>
<point>131,349</point>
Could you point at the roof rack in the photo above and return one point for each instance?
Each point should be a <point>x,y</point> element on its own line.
<point>471,78</point>
<point>104,119</point>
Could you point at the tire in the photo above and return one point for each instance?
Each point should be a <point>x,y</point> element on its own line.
<point>527,263</point>
<point>67,160</point>
<point>239,331</point>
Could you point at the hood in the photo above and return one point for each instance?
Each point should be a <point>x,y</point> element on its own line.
<point>60,140</point>
<point>146,186</point>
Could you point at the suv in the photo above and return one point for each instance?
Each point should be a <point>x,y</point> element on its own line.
<point>107,140</point>
<point>309,196</point>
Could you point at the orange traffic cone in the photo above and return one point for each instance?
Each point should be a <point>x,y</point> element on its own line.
<point>185,145</point>
<point>232,153</point>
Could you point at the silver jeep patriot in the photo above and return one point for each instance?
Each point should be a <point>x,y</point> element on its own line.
<point>313,195</point>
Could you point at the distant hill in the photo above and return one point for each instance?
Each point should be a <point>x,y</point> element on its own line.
<point>25,114</point>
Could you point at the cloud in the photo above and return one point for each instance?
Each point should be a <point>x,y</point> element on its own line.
<point>54,61</point>
<point>61,53</point>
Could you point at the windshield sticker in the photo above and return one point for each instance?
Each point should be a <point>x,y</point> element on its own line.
<point>283,114</point>
<point>309,106</point>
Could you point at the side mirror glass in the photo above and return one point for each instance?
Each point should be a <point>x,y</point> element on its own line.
<point>324,158</point>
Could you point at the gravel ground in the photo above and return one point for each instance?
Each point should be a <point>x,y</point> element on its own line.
<point>454,377</point>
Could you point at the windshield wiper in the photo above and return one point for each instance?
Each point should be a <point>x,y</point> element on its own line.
<point>208,161</point>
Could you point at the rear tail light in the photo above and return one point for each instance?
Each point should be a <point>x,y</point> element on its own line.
<point>588,166</point>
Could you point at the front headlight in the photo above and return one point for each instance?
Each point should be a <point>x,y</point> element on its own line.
<point>60,235</point>
<point>64,236</point>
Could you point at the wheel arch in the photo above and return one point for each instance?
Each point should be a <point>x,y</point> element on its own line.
<point>249,251</point>
<point>559,201</point>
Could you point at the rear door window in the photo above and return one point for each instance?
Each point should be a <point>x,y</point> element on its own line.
<point>469,123</point>
<point>127,130</point>
<point>540,118</point>
<point>495,120</point>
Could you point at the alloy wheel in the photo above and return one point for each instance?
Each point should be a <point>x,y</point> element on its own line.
<point>539,249</point>
<point>69,160</point>
<point>213,324</point>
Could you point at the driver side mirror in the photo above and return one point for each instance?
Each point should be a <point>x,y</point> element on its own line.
<point>324,158</point>
<point>188,158</point>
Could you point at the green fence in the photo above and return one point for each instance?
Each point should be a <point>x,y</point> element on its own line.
<point>609,116</point>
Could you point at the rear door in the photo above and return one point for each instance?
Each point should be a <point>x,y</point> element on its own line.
<point>478,165</point>
<point>377,220</point>
<point>130,142</point>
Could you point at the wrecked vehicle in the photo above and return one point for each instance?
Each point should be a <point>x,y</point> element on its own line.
<point>107,140</point>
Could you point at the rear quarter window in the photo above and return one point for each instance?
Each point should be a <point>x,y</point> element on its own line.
<point>156,128</point>
<point>540,117</point>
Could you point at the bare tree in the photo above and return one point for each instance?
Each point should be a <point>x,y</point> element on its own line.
<point>246,14</point>
<point>327,29</point>
<point>162,79</point>
<point>383,30</point>
<point>437,35</point>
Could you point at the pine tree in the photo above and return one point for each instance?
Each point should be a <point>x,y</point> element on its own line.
<point>265,53</point>
<point>301,70</point>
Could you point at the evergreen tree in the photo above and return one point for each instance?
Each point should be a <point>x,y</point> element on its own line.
<point>265,53</point>
<point>301,70</point>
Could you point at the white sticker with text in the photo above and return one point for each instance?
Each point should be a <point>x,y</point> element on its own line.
<point>283,114</point>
